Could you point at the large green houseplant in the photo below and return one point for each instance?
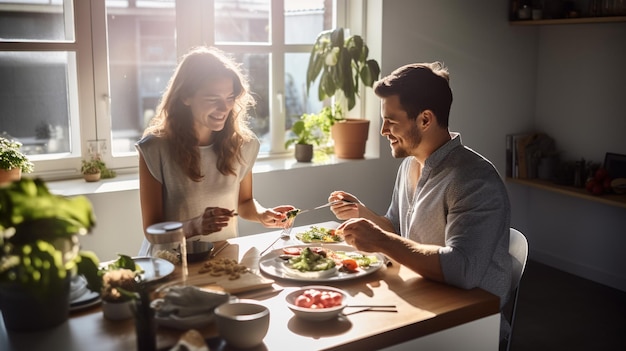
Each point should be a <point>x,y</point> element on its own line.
<point>342,64</point>
<point>13,162</point>
<point>39,253</point>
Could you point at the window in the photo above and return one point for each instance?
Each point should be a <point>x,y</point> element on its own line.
<point>85,76</point>
<point>39,71</point>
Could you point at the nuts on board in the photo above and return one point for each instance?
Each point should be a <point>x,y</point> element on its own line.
<point>220,266</point>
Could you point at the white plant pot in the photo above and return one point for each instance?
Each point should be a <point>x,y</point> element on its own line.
<point>116,311</point>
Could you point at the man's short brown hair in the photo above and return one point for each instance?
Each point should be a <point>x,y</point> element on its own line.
<point>420,86</point>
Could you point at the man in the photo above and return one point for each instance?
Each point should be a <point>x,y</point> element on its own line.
<point>449,205</point>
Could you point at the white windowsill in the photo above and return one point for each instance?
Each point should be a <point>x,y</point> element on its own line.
<point>130,181</point>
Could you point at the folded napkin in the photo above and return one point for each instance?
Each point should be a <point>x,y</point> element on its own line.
<point>185,301</point>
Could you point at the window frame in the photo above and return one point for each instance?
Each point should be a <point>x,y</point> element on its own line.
<point>92,74</point>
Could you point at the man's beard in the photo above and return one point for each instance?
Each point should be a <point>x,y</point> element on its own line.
<point>415,138</point>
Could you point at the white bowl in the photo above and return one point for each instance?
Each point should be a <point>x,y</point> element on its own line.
<point>316,314</point>
<point>117,311</point>
<point>243,323</point>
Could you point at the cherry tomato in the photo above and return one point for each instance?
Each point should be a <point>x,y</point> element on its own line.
<point>303,301</point>
<point>319,251</point>
<point>313,294</point>
<point>295,251</point>
<point>313,298</point>
<point>337,298</point>
<point>350,264</point>
<point>326,300</point>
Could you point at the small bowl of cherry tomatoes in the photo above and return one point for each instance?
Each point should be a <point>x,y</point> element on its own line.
<point>317,302</point>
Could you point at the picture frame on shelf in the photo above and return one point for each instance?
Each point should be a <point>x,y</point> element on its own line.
<point>615,164</point>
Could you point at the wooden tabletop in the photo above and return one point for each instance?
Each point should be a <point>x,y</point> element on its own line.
<point>424,307</point>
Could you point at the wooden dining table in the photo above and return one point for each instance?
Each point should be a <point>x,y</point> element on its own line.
<point>428,315</point>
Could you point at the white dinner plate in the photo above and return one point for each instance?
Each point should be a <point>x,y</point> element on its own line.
<point>295,233</point>
<point>90,298</point>
<point>154,268</point>
<point>314,275</point>
<point>271,264</point>
<point>80,296</point>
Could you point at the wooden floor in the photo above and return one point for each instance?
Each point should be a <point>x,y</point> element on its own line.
<point>560,311</point>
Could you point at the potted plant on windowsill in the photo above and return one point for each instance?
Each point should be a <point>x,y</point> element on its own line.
<point>93,169</point>
<point>311,129</point>
<point>39,253</point>
<point>342,64</point>
<point>12,161</point>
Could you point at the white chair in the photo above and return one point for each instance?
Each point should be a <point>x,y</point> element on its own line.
<point>518,249</point>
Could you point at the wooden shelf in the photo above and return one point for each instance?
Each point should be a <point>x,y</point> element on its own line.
<point>608,199</point>
<point>579,20</point>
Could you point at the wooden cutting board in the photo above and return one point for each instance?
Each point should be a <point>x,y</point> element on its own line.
<point>247,281</point>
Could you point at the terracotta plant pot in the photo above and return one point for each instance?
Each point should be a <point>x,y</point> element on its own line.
<point>10,175</point>
<point>350,137</point>
<point>304,152</point>
<point>92,177</point>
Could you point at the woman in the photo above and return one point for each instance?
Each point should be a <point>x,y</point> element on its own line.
<point>196,155</point>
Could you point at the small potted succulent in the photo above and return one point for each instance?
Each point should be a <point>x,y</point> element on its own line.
<point>93,169</point>
<point>39,253</point>
<point>13,162</point>
<point>120,282</point>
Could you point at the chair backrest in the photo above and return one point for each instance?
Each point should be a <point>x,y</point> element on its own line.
<point>518,249</point>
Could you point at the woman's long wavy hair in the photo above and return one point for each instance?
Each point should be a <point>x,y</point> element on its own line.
<point>174,120</point>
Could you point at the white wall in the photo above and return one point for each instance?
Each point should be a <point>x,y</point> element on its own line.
<point>492,70</point>
<point>505,79</point>
<point>581,102</point>
<point>568,81</point>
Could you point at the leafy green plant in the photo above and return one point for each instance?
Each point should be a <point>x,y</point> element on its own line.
<point>331,115</point>
<point>95,165</point>
<point>342,64</point>
<point>311,129</point>
<point>120,280</point>
<point>12,157</point>
<point>39,238</point>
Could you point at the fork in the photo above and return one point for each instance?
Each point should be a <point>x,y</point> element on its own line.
<point>285,233</point>
<point>328,204</point>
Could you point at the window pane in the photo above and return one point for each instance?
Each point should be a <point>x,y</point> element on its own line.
<point>36,20</point>
<point>304,20</point>
<point>242,21</point>
<point>142,57</point>
<point>34,106</point>
<point>296,100</point>
<point>257,69</point>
